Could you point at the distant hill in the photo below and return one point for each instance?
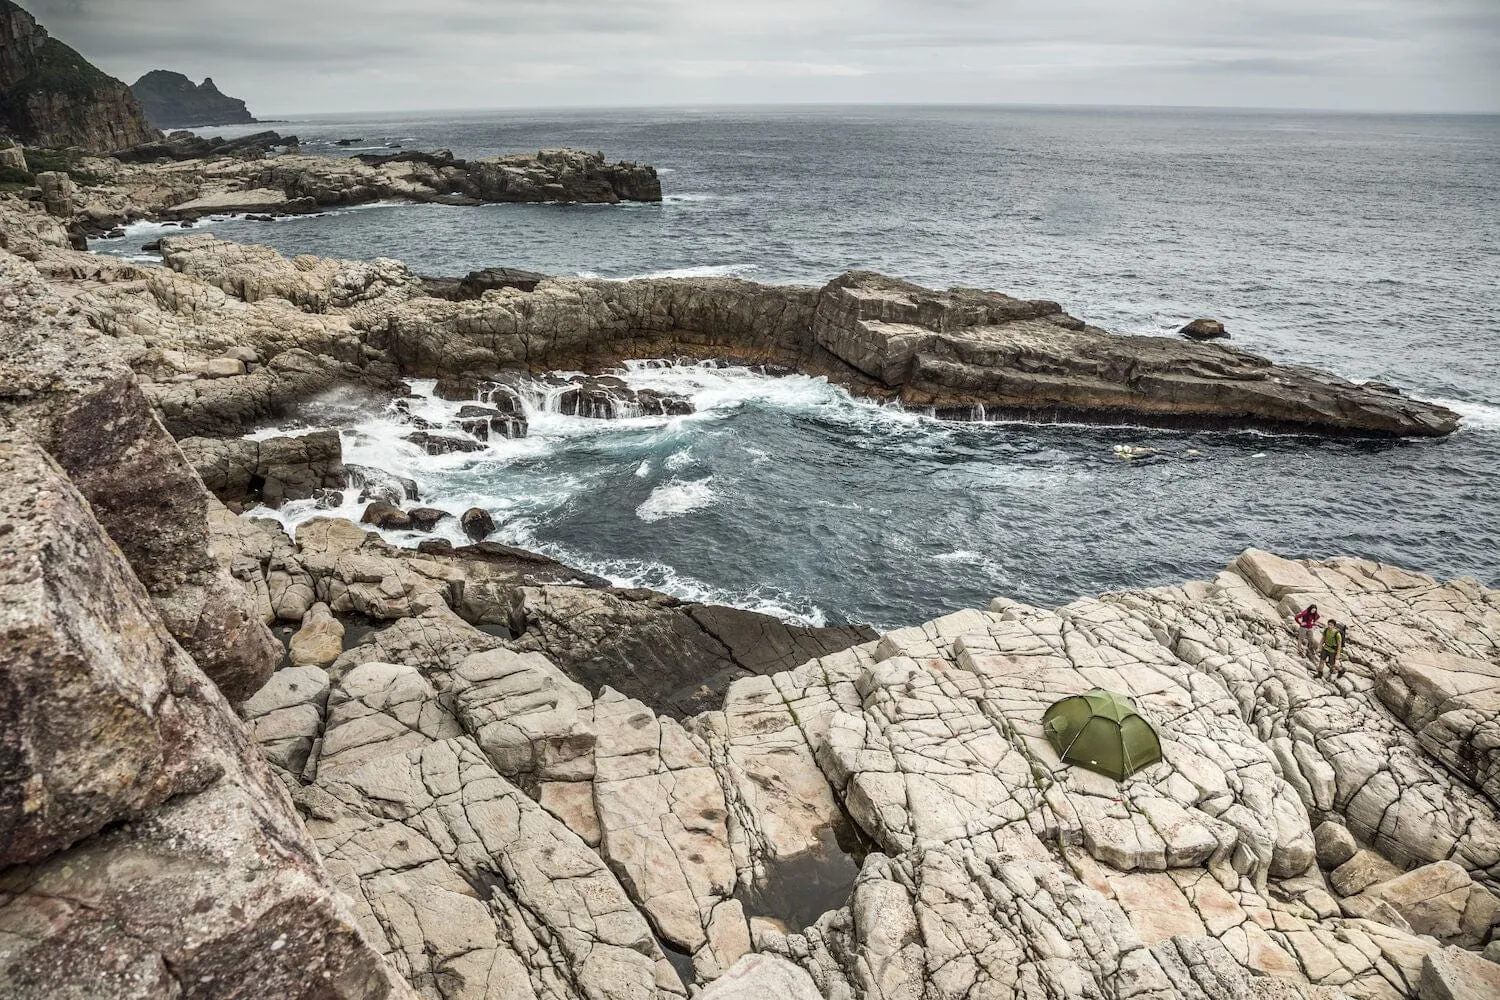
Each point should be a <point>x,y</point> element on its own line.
<point>172,100</point>
<point>52,96</point>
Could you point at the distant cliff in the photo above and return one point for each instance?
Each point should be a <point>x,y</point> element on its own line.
<point>172,100</point>
<point>52,96</point>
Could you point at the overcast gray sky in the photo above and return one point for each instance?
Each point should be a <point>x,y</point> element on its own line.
<point>292,56</point>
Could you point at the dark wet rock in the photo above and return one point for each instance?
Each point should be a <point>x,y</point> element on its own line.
<point>183,145</point>
<point>477,523</point>
<point>443,444</point>
<point>435,547</point>
<point>1205,329</point>
<point>484,422</point>
<point>607,397</point>
<point>387,516</point>
<point>677,657</point>
<point>476,283</point>
<point>426,518</point>
<point>348,142</point>
<point>281,468</point>
<point>457,389</point>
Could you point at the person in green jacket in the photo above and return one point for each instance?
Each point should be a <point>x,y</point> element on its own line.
<point>1331,654</point>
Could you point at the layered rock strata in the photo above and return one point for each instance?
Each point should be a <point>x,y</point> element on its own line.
<point>235,176</point>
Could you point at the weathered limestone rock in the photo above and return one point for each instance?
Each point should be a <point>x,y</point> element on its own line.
<point>67,387</point>
<point>1452,703</point>
<point>286,716</point>
<point>270,470</point>
<point>1441,900</point>
<point>472,886</point>
<point>757,976</point>
<point>139,821</point>
<point>80,646</point>
<point>1452,974</point>
<point>319,641</point>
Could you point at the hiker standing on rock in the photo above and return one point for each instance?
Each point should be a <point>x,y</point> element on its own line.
<point>1332,653</point>
<point>1307,620</point>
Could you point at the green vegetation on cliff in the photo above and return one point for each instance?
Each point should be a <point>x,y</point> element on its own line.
<point>50,95</point>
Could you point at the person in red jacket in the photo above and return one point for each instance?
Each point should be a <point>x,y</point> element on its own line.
<point>1307,620</point>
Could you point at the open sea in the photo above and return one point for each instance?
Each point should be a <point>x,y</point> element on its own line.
<point>1368,245</point>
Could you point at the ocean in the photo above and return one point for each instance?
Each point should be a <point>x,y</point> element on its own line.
<point>1368,245</point>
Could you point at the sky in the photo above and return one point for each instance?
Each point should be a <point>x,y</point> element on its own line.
<point>309,56</point>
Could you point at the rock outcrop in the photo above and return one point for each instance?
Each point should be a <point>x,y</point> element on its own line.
<point>51,96</point>
<point>145,849</point>
<point>171,100</point>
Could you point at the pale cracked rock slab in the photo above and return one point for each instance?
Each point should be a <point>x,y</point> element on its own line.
<point>762,977</point>
<point>474,888</point>
<point>286,716</point>
<point>662,819</point>
<point>1441,900</point>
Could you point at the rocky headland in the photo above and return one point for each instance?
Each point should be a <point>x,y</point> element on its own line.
<point>238,763</point>
<point>51,96</point>
<point>172,101</point>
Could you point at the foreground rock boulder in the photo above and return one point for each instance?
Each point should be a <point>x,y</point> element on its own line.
<point>145,845</point>
<point>67,386</point>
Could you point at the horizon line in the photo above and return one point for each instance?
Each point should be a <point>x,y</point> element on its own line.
<point>679,106</point>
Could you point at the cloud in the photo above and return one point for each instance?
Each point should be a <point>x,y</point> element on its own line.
<point>287,56</point>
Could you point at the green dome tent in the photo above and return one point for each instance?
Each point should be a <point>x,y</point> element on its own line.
<point>1102,731</point>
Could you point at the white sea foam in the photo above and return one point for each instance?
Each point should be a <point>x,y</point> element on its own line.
<point>1476,416</point>
<point>703,271</point>
<point>675,498</point>
<point>679,460</point>
<point>643,470</point>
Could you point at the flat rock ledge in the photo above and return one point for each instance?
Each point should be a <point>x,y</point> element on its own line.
<point>314,323</point>
<point>152,182</point>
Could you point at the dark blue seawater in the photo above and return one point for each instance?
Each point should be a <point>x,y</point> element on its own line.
<point>1368,245</point>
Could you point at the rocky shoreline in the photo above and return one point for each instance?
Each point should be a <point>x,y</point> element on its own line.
<point>242,764</point>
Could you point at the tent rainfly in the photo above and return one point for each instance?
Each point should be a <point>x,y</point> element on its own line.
<point>1102,731</point>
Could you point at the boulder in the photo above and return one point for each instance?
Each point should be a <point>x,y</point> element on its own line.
<point>1335,844</point>
<point>477,523</point>
<point>1454,974</point>
<point>1360,872</point>
<point>756,977</point>
<point>1441,900</point>
<point>426,518</point>
<point>81,645</point>
<point>59,193</point>
<point>386,516</point>
<point>1205,329</point>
